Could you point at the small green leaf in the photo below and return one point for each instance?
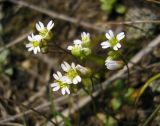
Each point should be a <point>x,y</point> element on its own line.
<point>9,71</point>
<point>121,9</point>
<point>116,104</point>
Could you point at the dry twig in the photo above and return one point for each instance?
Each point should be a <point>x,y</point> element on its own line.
<point>16,41</point>
<point>76,21</point>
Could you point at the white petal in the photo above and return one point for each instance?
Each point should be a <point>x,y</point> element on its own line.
<point>35,50</point>
<point>41,25</point>
<point>32,35</point>
<point>56,76</point>
<point>111,33</point>
<point>108,36</point>
<point>75,81</point>
<point>65,79</point>
<point>37,37</point>
<point>54,85</point>
<point>30,38</point>
<point>112,65</point>
<point>69,47</point>
<point>59,74</point>
<point>105,44</point>
<point>115,48</point>
<point>30,49</point>
<point>120,36</point>
<point>76,42</point>
<point>67,90</point>
<point>105,47</point>
<point>68,81</point>
<point>67,65</point>
<point>84,34</point>
<point>38,49</point>
<point>118,45</point>
<point>63,91</point>
<point>56,88</point>
<point>73,66</point>
<point>78,78</point>
<point>38,27</point>
<point>28,45</point>
<point>50,25</point>
<point>64,67</point>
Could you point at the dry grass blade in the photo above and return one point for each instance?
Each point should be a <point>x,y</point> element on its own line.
<point>53,14</point>
<point>11,124</point>
<point>151,117</point>
<point>40,107</point>
<point>76,21</point>
<point>154,1</point>
<point>16,41</point>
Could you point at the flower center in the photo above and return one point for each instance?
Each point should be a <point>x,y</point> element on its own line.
<point>113,41</point>
<point>44,32</point>
<point>71,74</point>
<point>61,84</point>
<point>35,43</point>
<point>85,39</point>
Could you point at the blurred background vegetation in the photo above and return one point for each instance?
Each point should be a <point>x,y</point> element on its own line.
<point>25,78</point>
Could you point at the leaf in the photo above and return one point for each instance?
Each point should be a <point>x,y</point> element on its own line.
<point>120,9</point>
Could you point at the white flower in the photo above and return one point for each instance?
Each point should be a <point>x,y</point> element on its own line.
<point>85,37</point>
<point>44,31</point>
<point>34,43</point>
<point>113,65</point>
<point>77,42</point>
<point>40,26</point>
<point>113,41</point>
<point>71,72</point>
<point>61,82</point>
<point>76,46</point>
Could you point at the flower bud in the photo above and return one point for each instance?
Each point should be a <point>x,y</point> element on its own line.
<point>76,50</point>
<point>85,39</point>
<point>86,51</point>
<point>114,65</point>
<point>84,71</point>
<point>46,35</point>
<point>44,49</point>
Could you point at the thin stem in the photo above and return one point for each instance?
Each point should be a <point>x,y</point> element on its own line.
<point>93,99</point>
<point>93,88</point>
<point>53,108</point>
<point>128,72</point>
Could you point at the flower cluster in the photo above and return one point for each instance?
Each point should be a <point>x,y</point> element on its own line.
<point>71,76</point>
<point>113,42</point>
<point>37,42</point>
<point>81,48</point>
